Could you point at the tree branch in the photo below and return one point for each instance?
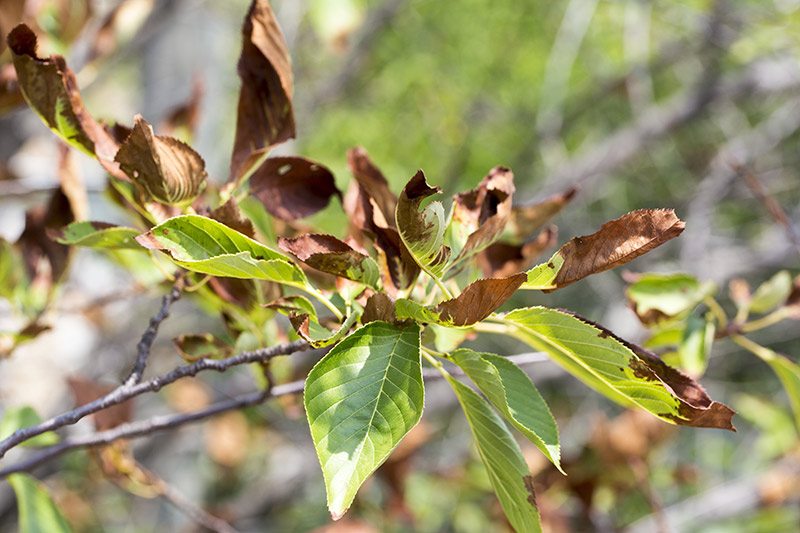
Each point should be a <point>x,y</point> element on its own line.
<point>146,342</point>
<point>126,392</point>
<point>163,422</point>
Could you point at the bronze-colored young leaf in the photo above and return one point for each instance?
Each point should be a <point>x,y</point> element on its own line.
<point>480,215</point>
<point>423,231</point>
<point>264,117</point>
<point>328,254</point>
<point>37,246</point>
<point>166,169</point>
<point>503,258</point>
<point>51,90</point>
<point>527,219</point>
<point>616,242</point>
<point>293,187</point>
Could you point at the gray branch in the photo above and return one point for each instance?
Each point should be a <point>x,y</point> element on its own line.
<point>164,422</point>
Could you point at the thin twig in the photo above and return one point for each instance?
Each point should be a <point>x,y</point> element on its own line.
<point>126,392</point>
<point>146,342</point>
<point>164,422</point>
<point>770,204</point>
<point>190,509</point>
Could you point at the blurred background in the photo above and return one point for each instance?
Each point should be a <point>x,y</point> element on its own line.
<point>636,102</point>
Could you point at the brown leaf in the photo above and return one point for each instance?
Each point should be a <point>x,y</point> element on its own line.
<point>264,116</point>
<point>696,407</point>
<point>293,187</point>
<point>328,254</point>
<point>503,259</point>
<point>230,215</point>
<point>371,207</point>
<point>166,169</point>
<point>52,91</point>
<point>617,242</point>
<point>46,260</point>
<point>85,391</point>
<point>378,307</point>
<point>483,212</point>
<point>528,219</point>
<point>373,184</point>
<point>479,299</point>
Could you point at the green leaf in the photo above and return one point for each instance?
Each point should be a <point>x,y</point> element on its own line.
<point>423,231</point>
<point>97,235</point>
<point>204,245</point>
<point>623,372</point>
<point>695,346</point>
<point>772,293</point>
<point>37,512</point>
<point>502,458</point>
<point>293,305</point>
<point>361,400</point>
<point>617,242</point>
<point>659,297</point>
<point>787,370</point>
<point>20,417</point>
<point>513,394</point>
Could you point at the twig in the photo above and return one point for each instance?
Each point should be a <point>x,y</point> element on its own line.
<point>126,392</point>
<point>772,206</point>
<point>146,342</point>
<point>187,507</point>
<point>159,423</point>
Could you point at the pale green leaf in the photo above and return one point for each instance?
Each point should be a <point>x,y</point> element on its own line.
<point>657,297</point>
<point>772,293</point>
<point>612,367</point>
<point>204,245</point>
<point>422,231</point>
<point>695,346</point>
<point>500,453</point>
<point>361,400</point>
<point>16,418</point>
<point>98,235</point>
<point>513,394</point>
<point>787,370</point>
<point>37,512</point>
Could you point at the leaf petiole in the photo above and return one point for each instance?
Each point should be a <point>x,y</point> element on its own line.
<point>765,321</point>
<point>324,301</point>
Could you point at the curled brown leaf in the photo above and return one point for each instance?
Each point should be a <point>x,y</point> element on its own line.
<point>264,116</point>
<point>616,242</point>
<point>166,169</point>
<point>379,307</point>
<point>51,90</point>
<point>328,254</point>
<point>293,187</point>
<point>370,206</point>
<point>482,213</point>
